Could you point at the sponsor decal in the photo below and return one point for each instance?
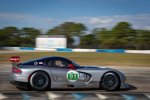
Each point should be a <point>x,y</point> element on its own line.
<point>72,76</point>
<point>35,63</point>
<point>40,63</point>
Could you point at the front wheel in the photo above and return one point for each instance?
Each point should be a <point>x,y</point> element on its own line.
<point>110,81</point>
<point>39,81</point>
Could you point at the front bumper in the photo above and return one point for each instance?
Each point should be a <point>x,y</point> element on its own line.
<point>124,86</point>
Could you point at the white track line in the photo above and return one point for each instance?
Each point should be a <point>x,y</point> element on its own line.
<point>2,97</point>
<point>147,95</point>
<point>52,96</point>
<point>102,97</point>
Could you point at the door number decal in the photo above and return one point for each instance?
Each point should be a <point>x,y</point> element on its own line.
<point>72,76</point>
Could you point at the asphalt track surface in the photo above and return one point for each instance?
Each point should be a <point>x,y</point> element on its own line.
<point>138,79</point>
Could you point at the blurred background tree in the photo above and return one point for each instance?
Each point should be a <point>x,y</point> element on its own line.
<point>125,35</point>
<point>142,39</point>
<point>9,36</point>
<point>69,29</point>
<point>121,36</point>
<point>88,41</point>
<point>12,36</point>
<point>28,36</point>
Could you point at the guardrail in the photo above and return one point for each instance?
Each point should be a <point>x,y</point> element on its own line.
<point>138,51</point>
<point>76,50</point>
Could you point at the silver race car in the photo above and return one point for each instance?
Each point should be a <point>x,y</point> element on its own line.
<point>61,73</point>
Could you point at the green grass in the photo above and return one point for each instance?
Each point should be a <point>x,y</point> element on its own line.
<point>104,59</point>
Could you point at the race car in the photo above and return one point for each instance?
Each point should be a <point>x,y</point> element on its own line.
<point>56,72</point>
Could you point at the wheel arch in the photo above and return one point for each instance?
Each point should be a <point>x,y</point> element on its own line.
<point>110,72</point>
<point>29,77</point>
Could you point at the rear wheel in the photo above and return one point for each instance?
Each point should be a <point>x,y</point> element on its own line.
<point>110,81</point>
<point>39,81</point>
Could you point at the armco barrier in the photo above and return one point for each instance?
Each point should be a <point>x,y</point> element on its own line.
<point>43,49</point>
<point>10,48</point>
<point>64,50</point>
<point>26,48</point>
<point>76,50</point>
<point>138,51</point>
<point>83,50</point>
<point>111,50</point>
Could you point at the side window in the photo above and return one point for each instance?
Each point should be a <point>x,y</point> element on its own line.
<point>49,63</point>
<point>60,63</point>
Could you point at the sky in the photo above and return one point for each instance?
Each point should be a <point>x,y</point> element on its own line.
<point>46,14</point>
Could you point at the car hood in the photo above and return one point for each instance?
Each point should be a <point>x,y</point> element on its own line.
<point>100,68</point>
<point>95,68</point>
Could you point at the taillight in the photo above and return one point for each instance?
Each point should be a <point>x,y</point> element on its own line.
<point>16,70</point>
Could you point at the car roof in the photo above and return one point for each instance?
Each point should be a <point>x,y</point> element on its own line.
<point>44,58</point>
<point>52,57</point>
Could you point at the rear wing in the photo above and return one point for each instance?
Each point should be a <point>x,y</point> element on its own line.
<point>14,60</point>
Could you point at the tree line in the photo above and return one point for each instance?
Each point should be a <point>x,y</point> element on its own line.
<point>12,36</point>
<point>121,36</point>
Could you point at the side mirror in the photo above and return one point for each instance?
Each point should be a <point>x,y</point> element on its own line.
<point>71,66</point>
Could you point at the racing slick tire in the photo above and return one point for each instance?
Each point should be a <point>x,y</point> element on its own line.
<point>39,81</point>
<point>110,81</point>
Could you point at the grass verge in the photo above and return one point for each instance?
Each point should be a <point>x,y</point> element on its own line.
<point>88,58</point>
